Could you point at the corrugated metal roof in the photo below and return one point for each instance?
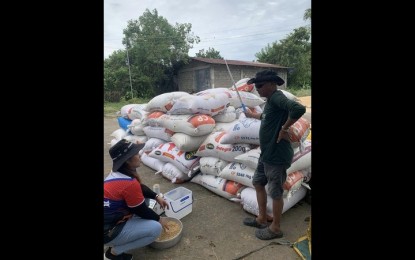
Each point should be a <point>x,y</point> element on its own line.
<point>239,63</point>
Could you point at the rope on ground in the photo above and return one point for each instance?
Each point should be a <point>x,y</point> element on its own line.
<point>280,242</point>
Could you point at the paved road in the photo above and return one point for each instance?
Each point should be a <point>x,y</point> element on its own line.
<point>214,229</point>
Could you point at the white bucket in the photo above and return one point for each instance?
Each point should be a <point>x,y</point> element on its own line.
<point>180,202</point>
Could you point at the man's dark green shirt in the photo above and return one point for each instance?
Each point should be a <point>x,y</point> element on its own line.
<point>276,111</point>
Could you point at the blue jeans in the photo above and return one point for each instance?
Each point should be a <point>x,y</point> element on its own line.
<point>136,233</point>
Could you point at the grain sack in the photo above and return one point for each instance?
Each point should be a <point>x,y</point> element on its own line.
<point>250,158</point>
<point>301,159</point>
<point>136,127</point>
<point>113,142</point>
<point>215,91</point>
<point>307,174</point>
<point>212,165</point>
<point>137,112</point>
<point>209,104</point>
<point>119,134</point>
<point>238,172</point>
<point>241,114</point>
<point>292,183</point>
<point>151,162</point>
<point>222,187</point>
<point>241,85</point>
<point>298,131</point>
<point>171,172</point>
<point>138,139</point>
<point>212,147</point>
<point>164,102</point>
<point>153,119</point>
<point>187,143</point>
<point>158,132</point>
<point>194,125</point>
<point>125,110</point>
<point>225,116</point>
<point>152,143</point>
<point>219,127</point>
<point>168,152</point>
<point>249,99</point>
<point>244,131</point>
<point>250,204</point>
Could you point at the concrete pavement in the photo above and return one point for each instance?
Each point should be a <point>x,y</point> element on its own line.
<point>214,229</point>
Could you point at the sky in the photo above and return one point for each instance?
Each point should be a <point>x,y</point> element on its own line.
<point>238,29</point>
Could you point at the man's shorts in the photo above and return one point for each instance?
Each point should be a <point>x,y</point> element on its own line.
<point>273,175</point>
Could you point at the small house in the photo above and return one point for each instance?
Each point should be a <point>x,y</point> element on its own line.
<point>204,73</point>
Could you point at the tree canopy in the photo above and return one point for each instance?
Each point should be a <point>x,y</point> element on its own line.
<point>210,53</point>
<point>294,51</point>
<point>155,51</point>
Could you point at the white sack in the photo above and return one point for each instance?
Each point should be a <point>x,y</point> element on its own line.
<point>158,132</point>
<point>238,172</point>
<point>212,165</point>
<point>209,104</point>
<point>152,143</point>
<point>119,134</point>
<point>138,139</point>
<point>222,187</point>
<point>292,183</point>
<point>220,127</point>
<point>151,162</point>
<point>153,119</point>
<point>186,142</point>
<point>194,125</point>
<point>136,127</point>
<point>301,159</point>
<point>225,116</point>
<point>250,158</point>
<point>168,152</point>
<point>244,131</point>
<point>125,110</point>
<point>212,147</point>
<point>164,102</point>
<point>250,204</point>
<point>174,174</point>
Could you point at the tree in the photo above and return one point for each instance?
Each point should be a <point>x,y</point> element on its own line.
<point>156,48</point>
<point>156,51</point>
<point>293,51</point>
<point>116,75</point>
<point>210,53</point>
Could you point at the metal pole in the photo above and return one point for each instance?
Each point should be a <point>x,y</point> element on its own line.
<point>129,71</point>
<point>234,85</point>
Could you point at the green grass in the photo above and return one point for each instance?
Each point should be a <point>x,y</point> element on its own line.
<point>300,92</point>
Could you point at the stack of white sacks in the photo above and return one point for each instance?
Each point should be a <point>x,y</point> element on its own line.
<point>205,138</point>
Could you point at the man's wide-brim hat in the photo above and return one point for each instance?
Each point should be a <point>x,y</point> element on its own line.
<point>122,151</point>
<point>266,76</point>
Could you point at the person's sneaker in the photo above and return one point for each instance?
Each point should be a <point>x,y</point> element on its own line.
<point>123,256</point>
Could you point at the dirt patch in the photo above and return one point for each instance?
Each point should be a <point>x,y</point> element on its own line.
<point>306,101</point>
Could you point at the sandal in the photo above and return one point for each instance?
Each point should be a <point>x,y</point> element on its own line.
<point>266,234</point>
<point>253,223</point>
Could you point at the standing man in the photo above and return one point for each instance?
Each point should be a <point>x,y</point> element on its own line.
<point>276,151</point>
